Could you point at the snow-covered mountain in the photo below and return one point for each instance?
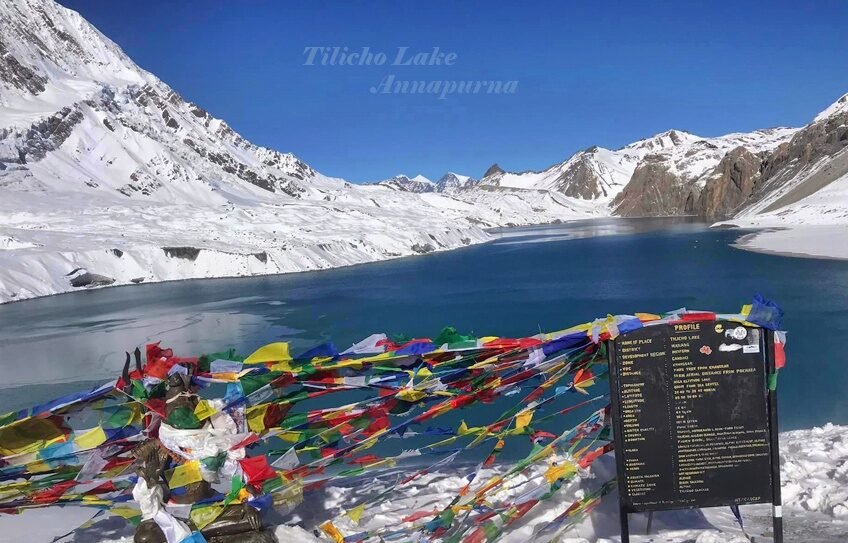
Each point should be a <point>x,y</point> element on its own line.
<point>448,183</point>
<point>104,167</point>
<point>454,182</point>
<point>669,179</point>
<point>593,174</point>
<point>653,176</point>
<point>417,184</point>
<point>802,191</point>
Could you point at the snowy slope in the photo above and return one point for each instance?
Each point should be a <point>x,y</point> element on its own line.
<point>814,226</point>
<point>803,200</point>
<point>104,167</point>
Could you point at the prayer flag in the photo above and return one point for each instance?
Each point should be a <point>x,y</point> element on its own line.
<point>184,474</point>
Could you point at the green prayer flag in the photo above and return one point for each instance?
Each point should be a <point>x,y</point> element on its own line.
<point>772,381</point>
<point>183,418</point>
<point>252,383</point>
<point>491,530</point>
<point>294,420</point>
<point>214,463</point>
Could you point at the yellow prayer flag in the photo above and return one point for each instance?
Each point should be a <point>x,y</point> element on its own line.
<point>184,474</point>
<point>29,435</point>
<point>39,466</point>
<point>204,410</point>
<point>90,439</point>
<point>273,352</point>
<point>484,363</point>
<point>557,472</point>
<point>356,513</point>
<point>523,420</point>
<point>410,394</point>
<point>330,529</point>
<point>357,364</point>
<point>203,516</point>
<point>256,417</point>
<point>124,511</point>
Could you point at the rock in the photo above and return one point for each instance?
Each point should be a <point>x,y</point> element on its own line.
<point>423,249</point>
<point>137,280</point>
<point>87,279</point>
<point>655,191</point>
<point>186,253</point>
<point>814,152</point>
<point>730,184</point>
<point>494,169</point>
<point>579,180</point>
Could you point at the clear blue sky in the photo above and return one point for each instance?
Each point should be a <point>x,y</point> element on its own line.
<point>594,73</point>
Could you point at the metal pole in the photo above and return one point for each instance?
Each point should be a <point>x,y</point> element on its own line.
<point>777,504</point>
<point>625,527</point>
<point>650,522</point>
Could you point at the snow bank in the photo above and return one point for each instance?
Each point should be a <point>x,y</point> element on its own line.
<point>815,226</point>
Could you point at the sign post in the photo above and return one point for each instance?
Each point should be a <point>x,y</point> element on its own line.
<point>777,504</point>
<point>694,419</point>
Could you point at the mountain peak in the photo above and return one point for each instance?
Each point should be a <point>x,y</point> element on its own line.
<point>421,179</point>
<point>452,182</point>
<point>493,169</point>
<point>663,140</point>
<point>404,183</point>
<point>839,106</point>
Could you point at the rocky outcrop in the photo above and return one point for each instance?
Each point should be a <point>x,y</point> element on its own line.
<point>815,157</point>
<point>41,137</point>
<point>87,280</point>
<point>451,182</point>
<point>580,179</point>
<point>17,75</point>
<point>494,169</point>
<point>730,185</point>
<point>186,253</point>
<point>402,183</point>
<point>655,191</point>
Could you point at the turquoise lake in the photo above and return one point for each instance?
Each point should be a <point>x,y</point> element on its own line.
<point>532,279</point>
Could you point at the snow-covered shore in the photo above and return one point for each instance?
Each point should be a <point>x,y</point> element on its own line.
<point>44,237</point>
<point>815,226</point>
<point>812,241</point>
<point>814,465</point>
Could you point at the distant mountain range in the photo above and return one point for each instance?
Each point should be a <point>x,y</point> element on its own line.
<point>448,183</point>
<point>106,168</point>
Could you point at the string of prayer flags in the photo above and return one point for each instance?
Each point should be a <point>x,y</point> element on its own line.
<point>277,427</point>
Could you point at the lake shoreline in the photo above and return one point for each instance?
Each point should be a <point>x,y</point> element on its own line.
<point>788,241</point>
<point>745,242</point>
<point>116,285</point>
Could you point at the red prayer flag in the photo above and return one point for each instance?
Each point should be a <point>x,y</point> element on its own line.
<point>257,470</point>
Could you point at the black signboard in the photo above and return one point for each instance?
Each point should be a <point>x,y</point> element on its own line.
<point>693,418</point>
